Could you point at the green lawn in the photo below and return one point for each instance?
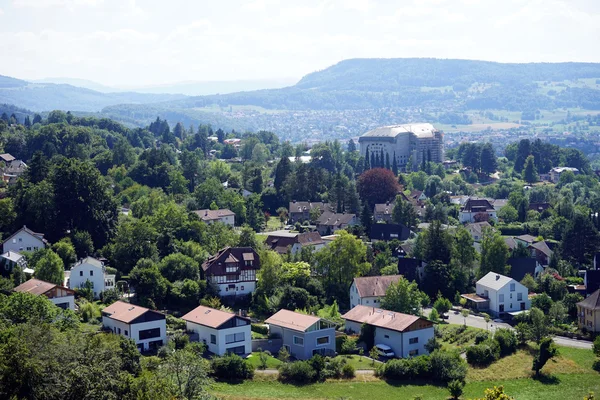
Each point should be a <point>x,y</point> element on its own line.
<point>272,362</point>
<point>359,362</point>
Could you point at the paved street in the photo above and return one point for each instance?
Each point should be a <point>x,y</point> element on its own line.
<point>455,317</point>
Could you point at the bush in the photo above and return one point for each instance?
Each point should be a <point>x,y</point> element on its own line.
<point>447,366</point>
<point>231,367</point>
<point>507,340</point>
<point>262,329</point>
<point>349,346</point>
<point>483,354</point>
<point>455,388</point>
<point>334,368</point>
<point>481,337</point>
<point>298,372</point>
<point>405,368</point>
<point>180,341</point>
<point>348,371</point>
<point>596,346</point>
<point>596,365</point>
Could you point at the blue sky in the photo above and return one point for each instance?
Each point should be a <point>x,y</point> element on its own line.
<point>120,42</point>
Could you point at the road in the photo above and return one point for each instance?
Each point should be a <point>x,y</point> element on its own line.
<point>455,317</point>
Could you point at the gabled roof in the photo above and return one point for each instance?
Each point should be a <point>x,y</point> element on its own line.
<point>230,255</point>
<point>38,287</point>
<point>374,286</point>
<point>12,255</point>
<point>539,207</point>
<point>477,205</point>
<point>210,317</point>
<point>89,261</point>
<point>478,227</point>
<point>292,320</point>
<point>280,243</point>
<point>302,206</point>
<point>511,243</point>
<point>6,157</point>
<point>335,219</point>
<point>382,318</point>
<point>542,247</point>
<point>494,281</point>
<point>212,215</point>
<point>125,312</point>
<point>385,208</point>
<point>526,238</point>
<point>383,231</point>
<point>40,236</point>
<point>592,301</point>
<point>519,267</point>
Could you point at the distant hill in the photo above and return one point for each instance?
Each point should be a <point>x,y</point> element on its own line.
<point>82,83</point>
<point>200,88</point>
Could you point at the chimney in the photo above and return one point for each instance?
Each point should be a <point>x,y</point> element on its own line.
<point>240,312</point>
<point>206,213</point>
<point>497,277</point>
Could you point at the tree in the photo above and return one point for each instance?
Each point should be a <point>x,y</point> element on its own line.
<point>539,325</point>
<point>496,393</point>
<point>464,251</point>
<point>177,267</point>
<point>434,315</point>
<point>581,240</point>
<point>508,214</point>
<point>596,346</point>
<point>437,244</point>
<point>188,373</point>
<point>373,354</point>
<point>456,388</point>
<point>395,165</point>
<point>150,286</point>
<point>547,350</point>
<point>465,314</point>
<point>404,297</point>
<point>50,268</point>
<point>248,238</point>
<point>529,171</point>
<point>377,185</point>
<point>65,250</point>
<point>442,305</point>
<point>494,253</point>
<point>135,239</point>
<point>282,171</point>
<point>489,162</point>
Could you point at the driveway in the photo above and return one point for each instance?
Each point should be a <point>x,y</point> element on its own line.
<point>455,317</point>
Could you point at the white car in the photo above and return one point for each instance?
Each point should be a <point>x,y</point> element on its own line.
<point>385,351</point>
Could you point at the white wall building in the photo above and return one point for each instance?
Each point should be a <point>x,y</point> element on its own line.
<point>233,270</point>
<point>368,290</point>
<point>405,334</point>
<point>93,270</point>
<point>58,295</point>
<point>211,216</point>
<point>24,240</point>
<point>146,327</point>
<point>505,294</point>
<point>475,209</point>
<point>221,331</point>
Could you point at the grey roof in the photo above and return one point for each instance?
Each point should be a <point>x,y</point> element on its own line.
<point>301,206</point>
<point>391,131</point>
<point>494,281</point>
<point>543,247</point>
<point>592,302</point>
<point>477,205</point>
<point>89,260</point>
<point>12,256</point>
<point>526,238</point>
<point>478,227</point>
<point>563,169</point>
<point>6,157</point>
<point>335,219</point>
<point>385,208</point>
<point>368,286</point>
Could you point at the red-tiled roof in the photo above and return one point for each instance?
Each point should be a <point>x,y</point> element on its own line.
<point>292,320</point>
<point>35,286</point>
<point>382,318</point>
<point>374,286</point>
<point>208,316</point>
<point>125,312</point>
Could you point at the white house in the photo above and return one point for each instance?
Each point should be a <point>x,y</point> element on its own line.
<point>11,258</point>
<point>223,332</point>
<point>405,334</point>
<point>93,270</point>
<point>146,327</point>
<point>499,295</point>
<point>210,216</point>
<point>557,171</point>
<point>476,229</point>
<point>476,210</point>
<point>58,295</point>
<point>233,270</point>
<point>294,242</point>
<point>24,240</point>
<point>368,290</point>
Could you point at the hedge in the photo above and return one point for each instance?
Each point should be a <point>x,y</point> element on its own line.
<point>258,328</point>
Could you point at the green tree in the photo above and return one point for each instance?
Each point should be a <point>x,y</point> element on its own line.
<point>248,238</point>
<point>50,268</point>
<point>489,162</point>
<point>150,286</point>
<point>65,250</point>
<point>464,251</point>
<point>581,240</point>
<point>456,388</point>
<point>529,171</point>
<point>494,253</point>
<point>404,297</point>
<point>539,325</point>
<point>442,305</point>
<point>135,239</point>
<point>547,350</point>
<point>177,267</point>
<point>188,374</point>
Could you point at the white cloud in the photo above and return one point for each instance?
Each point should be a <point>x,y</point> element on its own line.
<point>1,11</point>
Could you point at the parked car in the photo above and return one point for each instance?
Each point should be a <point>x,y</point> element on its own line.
<point>385,351</point>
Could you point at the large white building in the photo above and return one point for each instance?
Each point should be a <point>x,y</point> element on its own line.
<point>499,295</point>
<point>221,331</point>
<point>24,240</point>
<point>403,142</point>
<point>58,295</point>
<point>368,290</point>
<point>93,270</point>
<point>406,334</point>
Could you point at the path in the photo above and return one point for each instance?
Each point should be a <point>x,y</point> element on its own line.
<point>275,372</point>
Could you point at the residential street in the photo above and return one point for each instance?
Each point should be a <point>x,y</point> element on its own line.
<point>455,317</point>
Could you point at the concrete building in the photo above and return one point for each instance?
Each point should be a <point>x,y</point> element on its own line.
<point>477,210</point>
<point>368,290</point>
<point>221,331</point>
<point>24,240</point>
<point>499,294</point>
<point>303,335</point>
<point>405,334</point>
<point>93,270</point>
<point>146,327</point>
<point>405,142</point>
<point>588,312</point>
<point>58,295</point>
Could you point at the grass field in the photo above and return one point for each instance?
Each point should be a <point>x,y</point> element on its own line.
<point>254,361</point>
<point>359,362</point>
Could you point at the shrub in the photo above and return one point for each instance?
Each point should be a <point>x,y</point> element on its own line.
<point>447,366</point>
<point>455,388</point>
<point>298,372</point>
<point>231,367</point>
<point>180,340</point>
<point>262,329</point>
<point>507,340</point>
<point>283,355</point>
<point>596,365</point>
<point>348,371</point>
<point>483,354</point>
<point>349,346</point>
<point>334,368</point>
<point>596,346</point>
<point>405,368</point>
<point>481,337</point>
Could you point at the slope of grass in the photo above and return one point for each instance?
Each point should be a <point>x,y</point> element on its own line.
<point>254,361</point>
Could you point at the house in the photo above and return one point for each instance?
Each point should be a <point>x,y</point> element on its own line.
<point>521,266</point>
<point>12,168</point>
<point>588,312</point>
<point>147,328</point>
<point>9,259</point>
<point>303,335</point>
<point>368,290</point>
<point>59,295</point>
<point>284,241</point>
<point>539,207</point>
<point>541,252</point>
<point>233,270</point>
<point>299,211</point>
<point>511,243</point>
<point>525,240</point>
<point>211,216</point>
<point>557,171</point>
<point>476,229</point>
<point>389,232</point>
<point>476,210</point>
<point>330,222</point>
<point>499,294</point>
<point>383,212</point>
<point>92,270</point>
<point>411,268</point>
<point>406,334</point>
<point>24,240</point>
<point>417,196</point>
<point>221,331</point>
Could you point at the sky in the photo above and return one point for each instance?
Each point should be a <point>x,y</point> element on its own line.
<point>148,42</point>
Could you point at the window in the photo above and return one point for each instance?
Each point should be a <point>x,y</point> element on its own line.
<point>512,287</point>
<point>413,353</point>
<point>213,339</point>
<point>234,337</point>
<point>386,336</point>
<point>126,333</point>
<point>20,240</point>
<point>519,296</point>
<point>119,331</point>
<point>29,248</point>
<point>91,273</point>
<point>241,288</point>
<point>501,298</point>
<point>149,333</point>
<point>322,340</point>
<point>80,273</point>
<point>298,341</point>
<point>413,340</point>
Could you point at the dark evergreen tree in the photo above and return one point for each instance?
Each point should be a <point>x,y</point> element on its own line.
<point>37,119</point>
<point>27,122</point>
<point>282,171</point>
<point>351,146</point>
<point>220,135</point>
<point>387,161</point>
<point>367,159</point>
<point>489,162</point>
<point>366,218</point>
<point>395,165</point>
<point>4,117</point>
